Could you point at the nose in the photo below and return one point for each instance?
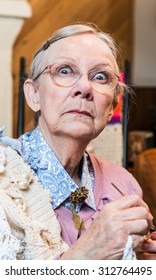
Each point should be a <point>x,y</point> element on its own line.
<point>83,88</point>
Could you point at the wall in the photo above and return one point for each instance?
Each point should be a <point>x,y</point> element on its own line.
<point>12,15</point>
<point>144,56</point>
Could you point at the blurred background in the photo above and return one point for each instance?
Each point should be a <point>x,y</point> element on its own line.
<point>132,23</point>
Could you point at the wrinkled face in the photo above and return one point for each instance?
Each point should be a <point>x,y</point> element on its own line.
<point>77,111</point>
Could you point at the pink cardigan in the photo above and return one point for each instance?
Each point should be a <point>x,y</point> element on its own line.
<point>105,174</point>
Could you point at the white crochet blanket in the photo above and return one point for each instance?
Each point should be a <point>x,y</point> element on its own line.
<point>29,228</point>
<point>9,244</point>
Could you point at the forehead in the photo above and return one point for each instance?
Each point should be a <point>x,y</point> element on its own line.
<point>81,48</point>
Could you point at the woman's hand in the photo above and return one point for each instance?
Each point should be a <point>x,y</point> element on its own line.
<point>107,236</point>
<point>149,248</point>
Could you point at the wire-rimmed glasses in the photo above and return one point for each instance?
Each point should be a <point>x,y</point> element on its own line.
<point>67,74</point>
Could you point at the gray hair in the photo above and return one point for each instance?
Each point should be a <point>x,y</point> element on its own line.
<point>67,31</point>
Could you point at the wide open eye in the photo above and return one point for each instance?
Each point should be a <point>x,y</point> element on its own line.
<point>64,74</point>
<point>65,70</point>
<point>102,77</point>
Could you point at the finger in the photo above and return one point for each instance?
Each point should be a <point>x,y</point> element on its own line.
<point>137,241</point>
<point>153,235</point>
<point>149,246</point>
<point>134,213</point>
<point>137,213</point>
<point>139,227</point>
<point>146,256</point>
<point>128,201</point>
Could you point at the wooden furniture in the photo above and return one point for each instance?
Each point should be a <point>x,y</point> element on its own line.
<point>145,173</point>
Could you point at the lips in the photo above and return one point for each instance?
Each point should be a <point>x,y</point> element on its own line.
<point>79,112</point>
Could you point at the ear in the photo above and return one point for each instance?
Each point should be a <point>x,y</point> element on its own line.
<point>112,109</point>
<point>31,95</point>
<point>111,112</point>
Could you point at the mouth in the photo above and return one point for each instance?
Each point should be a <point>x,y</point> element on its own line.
<point>79,112</point>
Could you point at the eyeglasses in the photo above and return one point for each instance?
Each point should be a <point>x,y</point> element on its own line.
<point>66,75</point>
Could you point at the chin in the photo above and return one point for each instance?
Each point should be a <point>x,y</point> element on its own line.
<point>80,134</point>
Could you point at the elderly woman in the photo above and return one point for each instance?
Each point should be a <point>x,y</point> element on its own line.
<point>73,84</point>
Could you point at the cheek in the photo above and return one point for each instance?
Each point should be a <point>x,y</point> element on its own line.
<point>104,108</point>
<point>50,99</point>
<point>52,102</point>
<point>104,111</point>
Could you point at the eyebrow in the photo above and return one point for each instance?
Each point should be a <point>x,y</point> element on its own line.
<point>102,64</point>
<point>106,64</point>
<point>74,61</point>
<point>66,58</point>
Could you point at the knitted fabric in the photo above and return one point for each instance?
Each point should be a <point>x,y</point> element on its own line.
<point>30,228</point>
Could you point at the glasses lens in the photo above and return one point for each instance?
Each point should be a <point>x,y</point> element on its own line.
<point>65,74</point>
<point>103,81</point>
